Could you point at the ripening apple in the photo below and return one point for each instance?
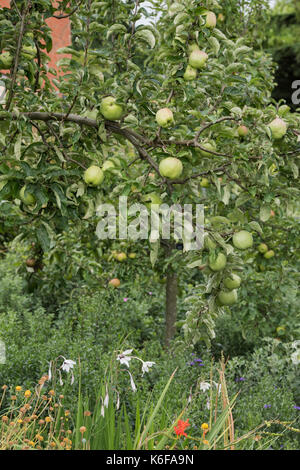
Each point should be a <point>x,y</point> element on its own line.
<point>197,59</point>
<point>132,255</point>
<point>114,282</point>
<point>278,128</point>
<point>219,263</point>
<point>110,109</point>
<point>263,248</point>
<point>221,17</point>
<point>242,131</point>
<point>27,198</point>
<point>190,73</point>
<point>93,176</point>
<point>6,60</point>
<point>269,254</point>
<point>164,117</point>
<point>121,256</point>
<point>211,20</point>
<point>242,240</point>
<point>170,167</point>
<point>232,282</point>
<point>227,298</point>
<point>30,262</point>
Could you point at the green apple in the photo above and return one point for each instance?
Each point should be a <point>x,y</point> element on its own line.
<point>232,282</point>
<point>242,240</point>
<point>132,255</point>
<point>269,254</point>
<point>242,131</point>
<point>6,60</point>
<point>278,128</point>
<point>190,73</point>
<point>93,176</point>
<point>263,248</point>
<point>204,183</point>
<point>170,167</point>
<point>219,263</point>
<point>209,146</point>
<point>110,109</point>
<point>27,198</point>
<point>211,20</point>
<point>227,298</point>
<point>198,59</point>
<point>164,117</point>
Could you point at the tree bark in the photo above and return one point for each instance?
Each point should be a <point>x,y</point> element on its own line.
<point>171,306</point>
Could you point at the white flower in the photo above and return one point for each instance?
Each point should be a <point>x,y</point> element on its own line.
<point>295,344</point>
<point>208,404</point>
<point>125,357</point>
<point>49,371</point>
<point>218,387</point>
<point>295,357</point>
<point>204,386</point>
<point>106,399</point>
<point>131,381</point>
<point>68,364</point>
<point>102,409</point>
<point>146,366</point>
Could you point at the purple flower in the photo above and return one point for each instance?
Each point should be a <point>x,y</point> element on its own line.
<point>150,293</point>
<point>267,406</point>
<point>192,363</point>
<point>240,379</point>
<point>125,299</point>
<point>198,360</point>
<point>297,407</point>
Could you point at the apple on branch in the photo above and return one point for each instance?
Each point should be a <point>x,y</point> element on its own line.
<point>164,117</point>
<point>93,176</point>
<point>170,168</point>
<point>110,109</point>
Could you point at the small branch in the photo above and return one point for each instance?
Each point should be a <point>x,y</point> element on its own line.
<point>67,15</point>
<point>18,51</point>
<point>207,126</point>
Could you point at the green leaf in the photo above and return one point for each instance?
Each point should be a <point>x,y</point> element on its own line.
<point>265,213</point>
<point>115,28</point>
<point>147,36</point>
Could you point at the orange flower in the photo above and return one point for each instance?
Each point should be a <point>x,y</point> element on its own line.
<point>181,426</point>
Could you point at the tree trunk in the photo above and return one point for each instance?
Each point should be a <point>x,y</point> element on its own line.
<point>171,306</point>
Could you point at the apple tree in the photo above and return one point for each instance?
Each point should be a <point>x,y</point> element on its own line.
<point>165,109</point>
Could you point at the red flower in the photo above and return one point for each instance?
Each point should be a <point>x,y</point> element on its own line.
<point>181,426</point>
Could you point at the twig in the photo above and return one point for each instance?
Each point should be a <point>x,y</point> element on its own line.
<point>16,63</point>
